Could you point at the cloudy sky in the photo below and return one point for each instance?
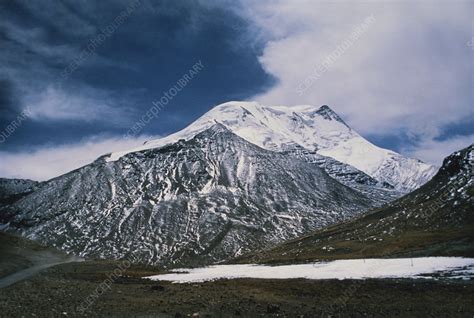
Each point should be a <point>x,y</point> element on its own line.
<point>85,72</point>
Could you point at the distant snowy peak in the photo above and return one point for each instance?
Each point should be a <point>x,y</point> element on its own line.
<point>319,129</point>
<point>271,127</point>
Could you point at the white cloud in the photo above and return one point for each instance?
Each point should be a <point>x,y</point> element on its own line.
<point>51,161</point>
<point>88,105</point>
<point>410,72</point>
<point>434,151</point>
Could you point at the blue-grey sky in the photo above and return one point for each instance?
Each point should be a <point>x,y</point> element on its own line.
<point>405,82</point>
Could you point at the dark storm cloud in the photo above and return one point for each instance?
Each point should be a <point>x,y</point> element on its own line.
<point>111,83</point>
<point>6,98</point>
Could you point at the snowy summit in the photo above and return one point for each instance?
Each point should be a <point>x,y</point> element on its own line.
<point>319,129</point>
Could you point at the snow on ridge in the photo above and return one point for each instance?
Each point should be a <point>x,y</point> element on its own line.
<point>423,267</point>
<point>314,128</point>
<point>224,114</point>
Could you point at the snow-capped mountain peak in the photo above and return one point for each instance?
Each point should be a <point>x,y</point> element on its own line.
<point>319,129</point>
<point>326,112</point>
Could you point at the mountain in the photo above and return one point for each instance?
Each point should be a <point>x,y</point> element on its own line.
<point>13,189</point>
<point>379,192</point>
<point>435,220</point>
<point>320,130</point>
<point>200,200</point>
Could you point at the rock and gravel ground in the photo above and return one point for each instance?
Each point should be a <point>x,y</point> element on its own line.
<point>62,291</point>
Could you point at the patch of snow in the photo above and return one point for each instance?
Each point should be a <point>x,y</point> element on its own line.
<point>423,267</point>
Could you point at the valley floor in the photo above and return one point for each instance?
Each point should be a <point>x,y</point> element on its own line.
<point>65,290</point>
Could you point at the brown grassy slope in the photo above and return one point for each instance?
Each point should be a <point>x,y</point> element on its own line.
<point>17,253</point>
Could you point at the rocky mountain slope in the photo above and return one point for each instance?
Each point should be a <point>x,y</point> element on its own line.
<point>12,190</point>
<point>316,129</point>
<point>378,192</point>
<point>200,200</point>
<point>12,187</point>
<point>437,219</point>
